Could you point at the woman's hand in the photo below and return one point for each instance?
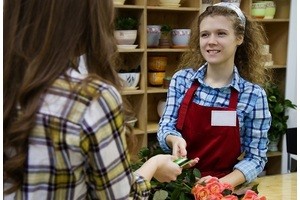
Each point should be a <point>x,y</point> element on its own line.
<point>204,179</point>
<point>192,163</point>
<point>178,145</point>
<point>166,170</point>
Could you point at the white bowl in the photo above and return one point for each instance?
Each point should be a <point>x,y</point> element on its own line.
<point>181,37</point>
<point>129,80</point>
<point>125,37</point>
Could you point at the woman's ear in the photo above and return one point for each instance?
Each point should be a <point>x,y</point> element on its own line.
<point>240,40</point>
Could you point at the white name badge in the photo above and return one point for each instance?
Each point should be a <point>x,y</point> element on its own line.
<point>223,118</point>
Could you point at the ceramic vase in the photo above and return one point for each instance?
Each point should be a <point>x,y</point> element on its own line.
<point>125,37</point>
<point>273,145</point>
<point>153,35</point>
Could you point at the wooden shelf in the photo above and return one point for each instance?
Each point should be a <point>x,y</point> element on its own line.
<point>132,92</point>
<point>145,99</point>
<point>137,131</point>
<point>174,9</point>
<point>274,153</point>
<point>156,90</point>
<point>276,67</point>
<point>131,50</point>
<point>152,127</point>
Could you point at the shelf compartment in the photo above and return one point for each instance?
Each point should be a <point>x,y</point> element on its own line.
<point>151,90</point>
<point>172,18</point>
<point>152,127</point>
<point>153,117</point>
<point>273,153</point>
<point>278,39</point>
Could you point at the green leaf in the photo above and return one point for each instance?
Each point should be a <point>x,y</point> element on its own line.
<point>197,173</point>
<point>182,196</point>
<point>279,108</point>
<point>175,194</point>
<point>272,99</point>
<point>160,195</point>
<point>226,192</point>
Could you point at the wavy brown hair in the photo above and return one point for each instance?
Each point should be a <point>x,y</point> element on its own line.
<point>248,58</point>
<point>42,39</point>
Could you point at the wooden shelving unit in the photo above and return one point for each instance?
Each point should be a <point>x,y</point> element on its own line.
<point>145,99</point>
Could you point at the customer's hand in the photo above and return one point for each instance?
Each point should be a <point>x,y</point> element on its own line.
<point>178,145</point>
<point>166,170</point>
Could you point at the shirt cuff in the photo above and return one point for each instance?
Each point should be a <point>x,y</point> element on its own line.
<point>249,169</point>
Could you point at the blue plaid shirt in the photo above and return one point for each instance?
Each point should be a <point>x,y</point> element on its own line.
<point>252,110</point>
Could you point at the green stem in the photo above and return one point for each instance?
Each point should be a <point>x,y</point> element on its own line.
<point>187,185</point>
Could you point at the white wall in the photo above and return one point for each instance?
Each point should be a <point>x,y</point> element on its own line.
<point>291,78</point>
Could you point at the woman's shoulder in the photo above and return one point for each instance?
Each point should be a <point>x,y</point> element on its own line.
<point>251,88</point>
<point>87,88</point>
<point>185,73</point>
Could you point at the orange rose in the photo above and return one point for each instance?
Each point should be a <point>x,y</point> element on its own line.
<point>215,187</point>
<point>200,192</point>
<point>251,195</point>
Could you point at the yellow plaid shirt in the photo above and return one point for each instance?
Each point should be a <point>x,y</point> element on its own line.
<point>78,149</point>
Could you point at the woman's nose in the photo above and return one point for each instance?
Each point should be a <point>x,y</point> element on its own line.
<point>212,39</point>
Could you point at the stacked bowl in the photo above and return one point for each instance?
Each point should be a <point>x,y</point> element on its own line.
<point>157,66</point>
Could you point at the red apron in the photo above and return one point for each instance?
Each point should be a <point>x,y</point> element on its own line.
<point>218,147</point>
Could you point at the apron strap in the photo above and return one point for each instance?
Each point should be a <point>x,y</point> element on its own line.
<point>233,98</point>
<point>185,104</point>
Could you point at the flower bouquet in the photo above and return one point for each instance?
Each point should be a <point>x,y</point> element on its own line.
<point>186,186</point>
<point>213,189</point>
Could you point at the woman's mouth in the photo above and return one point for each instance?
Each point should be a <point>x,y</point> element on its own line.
<point>213,52</point>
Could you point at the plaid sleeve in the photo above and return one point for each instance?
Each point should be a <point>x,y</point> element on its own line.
<point>140,188</point>
<point>108,170</point>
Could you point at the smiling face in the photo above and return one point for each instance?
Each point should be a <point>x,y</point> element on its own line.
<point>218,42</point>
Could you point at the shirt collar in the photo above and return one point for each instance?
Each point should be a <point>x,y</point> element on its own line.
<point>200,75</point>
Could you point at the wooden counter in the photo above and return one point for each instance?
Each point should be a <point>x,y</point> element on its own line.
<point>278,187</point>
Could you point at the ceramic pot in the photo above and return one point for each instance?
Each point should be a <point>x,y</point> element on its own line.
<point>153,35</point>
<point>156,78</point>
<point>180,37</point>
<point>270,10</point>
<point>157,63</point>
<point>258,10</point>
<point>125,37</point>
<point>273,145</point>
<point>129,80</point>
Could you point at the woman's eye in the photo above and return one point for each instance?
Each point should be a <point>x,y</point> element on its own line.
<point>204,35</point>
<point>221,33</point>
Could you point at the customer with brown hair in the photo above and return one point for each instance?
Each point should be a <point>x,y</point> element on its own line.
<point>216,108</point>
<point>64,133</point>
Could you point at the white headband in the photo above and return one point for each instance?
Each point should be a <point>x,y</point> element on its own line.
<point>236,9</point>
